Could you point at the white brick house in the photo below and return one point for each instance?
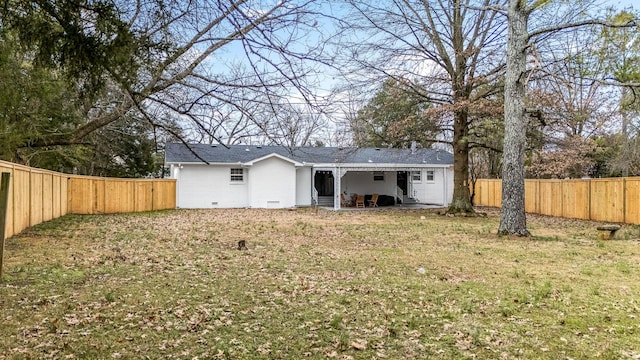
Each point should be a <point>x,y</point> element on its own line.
<point>215,176</point>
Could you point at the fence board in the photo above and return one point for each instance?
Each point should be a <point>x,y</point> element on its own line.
<point>120,197</point>
<point>164,194</point>
<point>64,195</point>
<point>56,211</point>
<point>35,198</point>
<point>607,200</point>
<point>489,192</point>
<point>496,193</point>
<point>47,197</point>
<point>21,205</point>
<point>143,196</point>
<point>550,197</point>
<point>575,199</point>
<point>109,195</point>
<point>531,188</point>
<point>632,201</point>
<point>99,203</point>
<point>481,192</point>
<point>80,195</point>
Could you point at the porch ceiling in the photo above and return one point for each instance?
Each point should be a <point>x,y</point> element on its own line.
<point>342,170</point>
<point>345,169</point>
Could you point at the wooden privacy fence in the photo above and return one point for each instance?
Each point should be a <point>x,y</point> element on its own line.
<point>611,199</point>
<point>37,195</point>
<point>91,195</point>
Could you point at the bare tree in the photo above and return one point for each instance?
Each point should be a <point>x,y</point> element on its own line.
<point>576,105</point>
<point>285,124</point>
<point>570,87</point>
<point>552,18</point>
<point>212,118</point>
<point>187,71</point>
<point>450,53</point>
<point>621,50</point>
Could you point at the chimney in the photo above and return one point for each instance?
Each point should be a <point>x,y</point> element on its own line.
<point>413,147</point>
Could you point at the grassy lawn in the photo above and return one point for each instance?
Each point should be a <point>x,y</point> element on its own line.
<point>344,285</point>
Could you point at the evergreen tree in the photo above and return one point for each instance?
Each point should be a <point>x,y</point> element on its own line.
<point>394,118</point>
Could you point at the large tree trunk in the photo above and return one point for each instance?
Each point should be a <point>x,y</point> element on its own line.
<point>461,201</point>
<point>513,219</point>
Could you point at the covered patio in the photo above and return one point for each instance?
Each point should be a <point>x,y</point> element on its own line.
<point>414,206</point>
<point>397,185</point>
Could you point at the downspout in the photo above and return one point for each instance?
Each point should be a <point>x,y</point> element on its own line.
<point>444,187</point>
<point>249,191</point>
<point>176,176</point>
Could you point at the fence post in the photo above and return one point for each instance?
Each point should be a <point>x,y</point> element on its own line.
<point>562,183</point>
<point>589,191</point>
<point>624,200</point>
<point>153,195</point>
<point>538,200</point>
<point>4,202</point>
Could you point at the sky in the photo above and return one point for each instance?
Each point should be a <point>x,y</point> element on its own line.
<point>625,3</point>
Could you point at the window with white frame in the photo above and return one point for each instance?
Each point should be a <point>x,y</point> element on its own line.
<point>237,175</point>
<point>430,175</point>
<point>378,176</point>
<point>416,176</point>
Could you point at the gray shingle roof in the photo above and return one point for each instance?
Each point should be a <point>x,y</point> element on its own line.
<point>180,153</point>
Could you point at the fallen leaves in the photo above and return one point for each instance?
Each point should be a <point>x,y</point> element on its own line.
<point>333,284</point>
<point>359,344</point>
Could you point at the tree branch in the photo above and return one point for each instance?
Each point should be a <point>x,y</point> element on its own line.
<point>565,26</point>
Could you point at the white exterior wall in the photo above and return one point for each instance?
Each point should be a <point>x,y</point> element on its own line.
<point>272,184</point>
<point>438,191</point>
<point>361,182</point>
<point>210,186</point>
<point>303,186</point>
<point>449,182</point>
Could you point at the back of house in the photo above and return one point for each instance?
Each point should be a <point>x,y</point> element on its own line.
<point>251,176</point>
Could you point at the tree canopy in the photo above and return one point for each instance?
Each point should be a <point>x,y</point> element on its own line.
<point>395,117</point>
<point>448,53</point>
<point>168,66</point>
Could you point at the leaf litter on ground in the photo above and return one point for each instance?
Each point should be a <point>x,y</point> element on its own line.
<point>318,284</point>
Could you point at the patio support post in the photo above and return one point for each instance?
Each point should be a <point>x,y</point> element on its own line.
<point>337,188</point>
<point>410,183</point>
<point>176,175</point>
<point>314,191</point>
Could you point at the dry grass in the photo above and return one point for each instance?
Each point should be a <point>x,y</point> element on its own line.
<point>374,284</point>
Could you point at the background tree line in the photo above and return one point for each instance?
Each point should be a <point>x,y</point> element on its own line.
<point>581,93</point>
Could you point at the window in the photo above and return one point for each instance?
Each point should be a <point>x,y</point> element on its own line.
<point>237,175</point>
<point>378,176</point>
<point>430,175</point>
<point>416,176</point>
